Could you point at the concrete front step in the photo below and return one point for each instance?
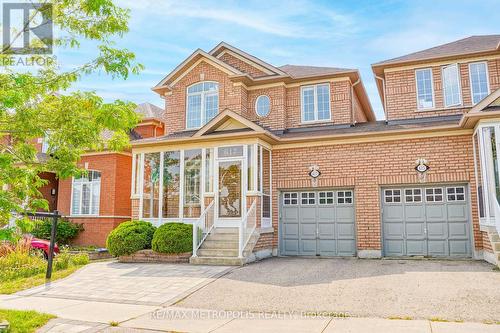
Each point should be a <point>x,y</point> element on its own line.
<point>222,237</point>
<point>220,244</point>
<point>217,252</point>
<point>225,231</point>
<point>222,261</point>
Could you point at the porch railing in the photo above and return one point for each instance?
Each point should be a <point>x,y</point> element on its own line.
<point>247,228</point>
<point>202,227</point>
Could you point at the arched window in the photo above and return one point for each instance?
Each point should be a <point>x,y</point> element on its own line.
<point>202,103</point>
<point>262,105</point>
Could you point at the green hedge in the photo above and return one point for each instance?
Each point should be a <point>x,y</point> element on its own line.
<point>130,237</point>
<point>66,230</point>
<point>173,238</point>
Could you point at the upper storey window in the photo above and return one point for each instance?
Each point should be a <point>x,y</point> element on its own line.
<point>315,102</point>
<point>451,86</point>
<point>478,81</point>
<point>425,94</point>
<point>202,103</point>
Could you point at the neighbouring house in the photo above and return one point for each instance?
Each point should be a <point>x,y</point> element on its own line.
<point>290,160</point>
<point>100,200</point>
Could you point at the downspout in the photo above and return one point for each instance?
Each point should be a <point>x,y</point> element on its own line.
<point>385,96</point>
<point>353,121</point>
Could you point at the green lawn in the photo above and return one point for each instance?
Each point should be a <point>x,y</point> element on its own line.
<point>12,286</point>
<point>24,321</point>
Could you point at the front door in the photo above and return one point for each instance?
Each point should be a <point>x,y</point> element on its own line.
<point>229,192</point>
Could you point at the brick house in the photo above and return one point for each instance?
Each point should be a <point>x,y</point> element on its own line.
<point>290,160</point>
<point>101,199</point>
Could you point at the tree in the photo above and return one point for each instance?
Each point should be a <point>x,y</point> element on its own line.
<point>37,104</point>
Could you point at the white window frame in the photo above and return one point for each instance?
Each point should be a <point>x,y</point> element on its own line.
<point>307,198</point>
<point>315,94</point>
<point>433,194</point>
<point>454,188</point>
<point>290,198</point>
<point>432,89</point>
<point>413,195</point>
<point>392,195</point>
<point>91,201</point>
<point>458,81</point>
<point>487,80</point>
<point>203,94</point>
<point>350,196</point>
<point>326,197</point>
<point>257,109</point>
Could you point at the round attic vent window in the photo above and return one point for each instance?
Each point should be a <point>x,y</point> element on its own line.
<point>263,106</point>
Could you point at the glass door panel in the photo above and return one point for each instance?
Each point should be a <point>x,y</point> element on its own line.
<point>229,189</point>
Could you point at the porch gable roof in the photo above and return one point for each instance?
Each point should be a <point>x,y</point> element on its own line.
<point>489,107</point>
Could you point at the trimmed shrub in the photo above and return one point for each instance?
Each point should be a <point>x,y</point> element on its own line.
<point>173,238</point>
<point>130,237</point>
<point>66,230</point>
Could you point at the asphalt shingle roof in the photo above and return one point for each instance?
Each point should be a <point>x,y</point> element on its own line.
<point>296,71</point>
<point>469,45</point>
<point>148,110</point>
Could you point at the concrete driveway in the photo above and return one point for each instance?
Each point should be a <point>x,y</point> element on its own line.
<point>426,289</point>
<point>139,284</point>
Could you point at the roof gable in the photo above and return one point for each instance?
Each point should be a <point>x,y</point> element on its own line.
<point>222,47</point>
<point>228,120</point>
<point>189,63</point>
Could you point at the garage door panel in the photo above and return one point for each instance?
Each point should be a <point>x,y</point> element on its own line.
<point>307,214</point>
<point>291,247</point>
<point>414,213</point>
<point>416,247</point>
<point>308,247</point>
<point>291,214</point>
<point>457,212</point>
<point>458,230</point>
<point>394,230</point>
<point>291,230</point>
<point>435,212</point>
<point>326,214</point>
<point>394,247</point>
<point>345,214</point>
<point>326,230</point>
<point>346,247</point>
<point>308,231</point>
<point>438,248</point>
<point>393,213</point>
<point>415,230</point>
<point>459,248</point>
<point>437,230</point>
<point>346,231</point>
<point>327,247</point>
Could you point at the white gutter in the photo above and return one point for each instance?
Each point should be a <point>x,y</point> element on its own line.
<point>385,95</point>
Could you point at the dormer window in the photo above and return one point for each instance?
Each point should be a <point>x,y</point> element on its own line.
<point>315,103</point>
<point>202,104</point>
<point>425,89</point>
<point>479,81</point>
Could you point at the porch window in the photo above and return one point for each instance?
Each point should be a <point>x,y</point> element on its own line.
<point>202,104</point>
<point>136,174</point>
<point>315,102</point>
<point>478,73</point>
<point>209,170</point>
<point>266,188</point>
<point>151,186</point>
<point>192,183</point>
<point>251,167</point>
<point>451,85</point>
<point>85,194</point>
<point>171,183</point>
<point>425,89</point>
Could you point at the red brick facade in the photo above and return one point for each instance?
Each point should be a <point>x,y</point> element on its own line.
<point>401,94</point>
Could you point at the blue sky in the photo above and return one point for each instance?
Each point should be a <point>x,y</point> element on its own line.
<point>352,34</point>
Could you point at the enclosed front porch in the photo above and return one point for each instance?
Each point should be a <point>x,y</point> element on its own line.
<point>219,188</point>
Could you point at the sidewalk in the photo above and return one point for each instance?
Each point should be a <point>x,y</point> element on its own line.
<point>79,316</point>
